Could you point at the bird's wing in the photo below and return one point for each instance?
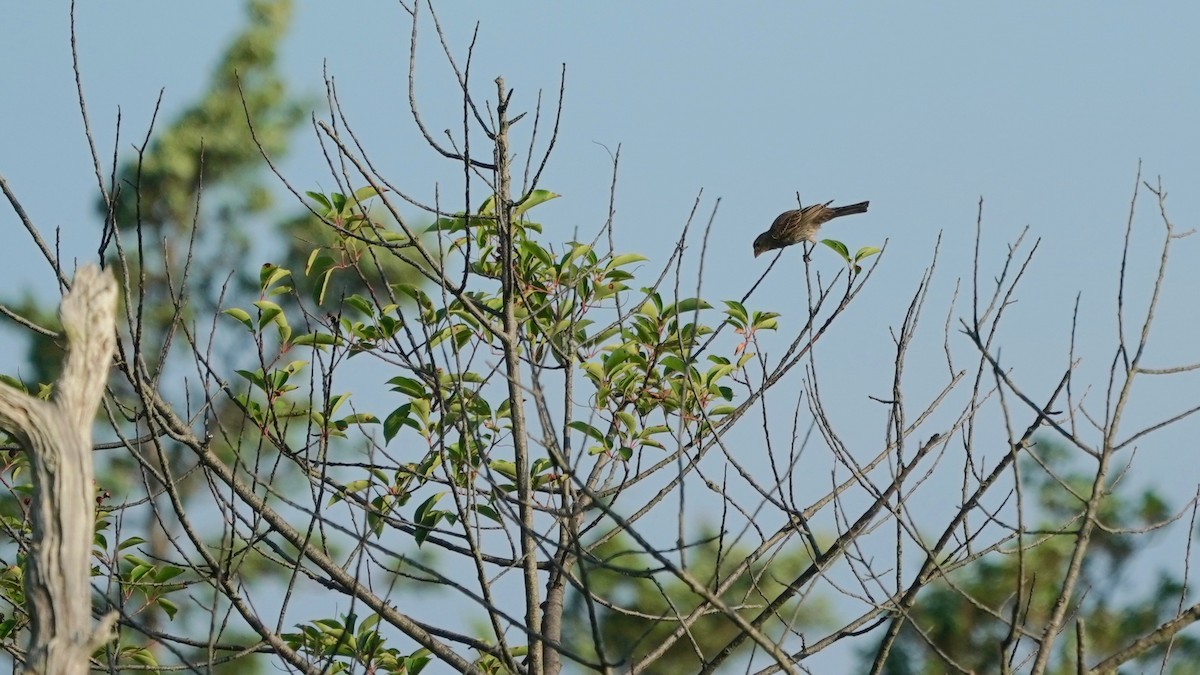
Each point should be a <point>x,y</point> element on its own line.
<point>780,226</point>
<point>818,213</point>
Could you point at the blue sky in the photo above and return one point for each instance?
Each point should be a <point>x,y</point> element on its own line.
<point>1042,110</point>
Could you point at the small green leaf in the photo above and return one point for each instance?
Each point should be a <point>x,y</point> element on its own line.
<point>130,542</point>
<point>531,248</point>
<point>765,321</point>
<point>624,259</point>
<point>839,247</point>
<point>408,386</point>
<point>359,418</point>
<point>487,512</point>
<point>396,419</point>
<point>865,252</point>
<point>426,518</point>
<point>361,304</point>
<point>320,199</point>
<point>576,251</point>
<point>241,315</point>
<point>350,488</point>
<point>270,274</point>
<point>139,655</point>
<point>317,339</point>
<point>362,194</point>
<point>504,467</point>
<point>737,312</point>
<point>533,199</point>
<point>167,573</point>
<point>651,308</point>
<point>594,371</point>
<point>673,364</point>
<point>255,377</point>
<point>268,311</point>
<point>587,429</point>
<point>686,305</point>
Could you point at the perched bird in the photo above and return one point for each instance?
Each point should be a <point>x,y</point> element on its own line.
<point>797,225</point>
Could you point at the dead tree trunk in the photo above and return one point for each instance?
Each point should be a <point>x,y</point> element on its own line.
<point>57,436</point>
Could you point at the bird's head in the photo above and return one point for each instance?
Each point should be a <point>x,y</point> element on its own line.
<point>763,243</point>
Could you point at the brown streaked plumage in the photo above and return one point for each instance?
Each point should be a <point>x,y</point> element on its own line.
<point>797,225</point>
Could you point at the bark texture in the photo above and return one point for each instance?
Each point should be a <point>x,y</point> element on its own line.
<point>57,436</point>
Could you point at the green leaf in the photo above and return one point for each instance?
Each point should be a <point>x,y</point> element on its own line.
<point>268,311</point>
<point>651,308</point>
<point>319,266</point>
<point>624,259</point>
<point>408,386</point>
<point>368,624</point>
<point>673,364</point>
<point>317,339</point>
<point>339,202</point>
<point>139,655</point>
<point>533,199</point>
<point>865,252</point>
<point>594,371</point>
<point>686,305</point>
<point>320,199</point>
<point>20,386</point>
<point>716,373</point>
<point>447,225</point>
<point>361,304</point>
<point>359,418</point>
<point>614,361</point>
<point>839,247</point>
<point>576,251</point>
<point>285,330</point>
<point>270,275</point>
<point>587,429</point>
<point>350,488</point>
<point>167,573</point>
<point>504,467</point>
<point>255,377</point>
<point>241,315</point>
<point>416,662</point>
<point>426,518</point>
<point>765,321</point>
<point>459,333</point>
<point>653,431</point>
<point>138,572</point>
<point>362,194</point>
<point>531,248</point>
<point>737,312</point>
<point>130,542</point>
<point>487,512</point>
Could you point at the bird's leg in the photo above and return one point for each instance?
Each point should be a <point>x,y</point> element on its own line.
<point>807,252</point>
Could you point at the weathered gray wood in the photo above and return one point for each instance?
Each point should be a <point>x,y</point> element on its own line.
<point>57,437</point>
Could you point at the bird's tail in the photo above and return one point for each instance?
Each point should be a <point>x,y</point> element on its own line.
<point>848,210</point>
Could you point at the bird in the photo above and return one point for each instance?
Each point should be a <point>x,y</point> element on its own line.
<point>797,225</point>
